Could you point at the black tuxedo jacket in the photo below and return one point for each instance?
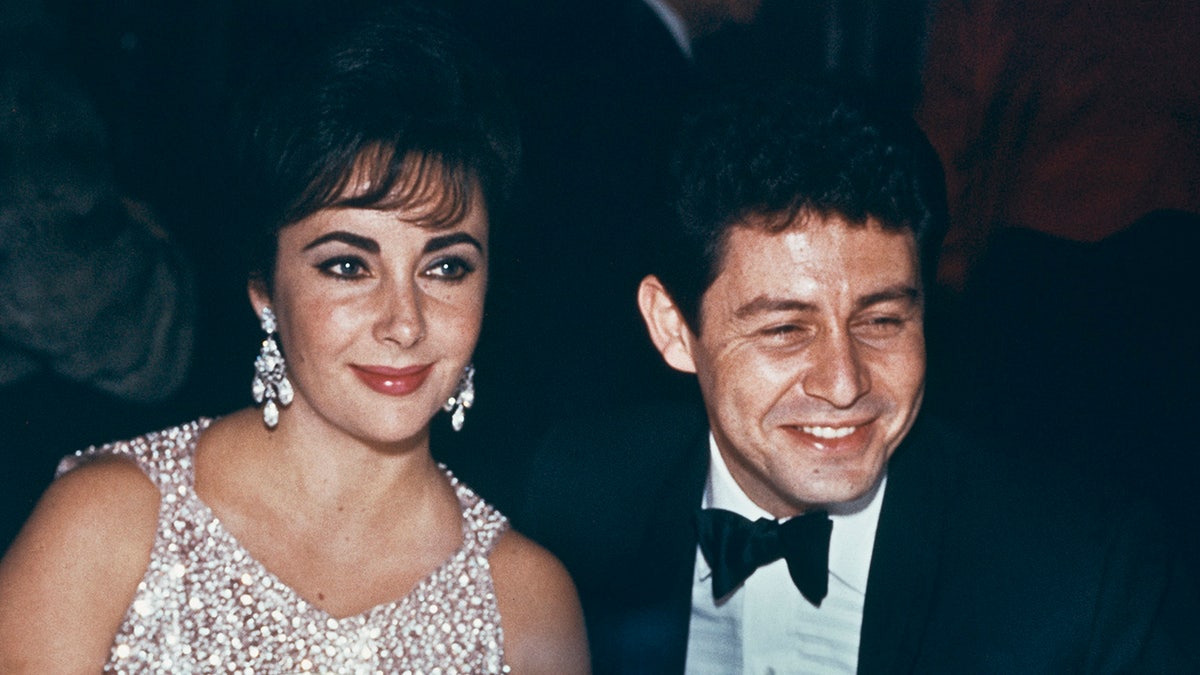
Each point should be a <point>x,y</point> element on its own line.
<point>981,565</point>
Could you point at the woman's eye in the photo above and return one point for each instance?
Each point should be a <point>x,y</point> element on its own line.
<point>451,269</point>
<point>344,268</point>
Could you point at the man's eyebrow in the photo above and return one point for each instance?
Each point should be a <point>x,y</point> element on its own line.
<point>764,304</point>
<point>365,243</point>
<point>447,240</point>
<point>897,292</point>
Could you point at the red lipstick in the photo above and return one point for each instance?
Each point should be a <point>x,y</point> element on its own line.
<point>393,381</point>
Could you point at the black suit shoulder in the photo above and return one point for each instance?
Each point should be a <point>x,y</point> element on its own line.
<point>613,474</point>
<point>1021,567</point>
<point>613,495</point>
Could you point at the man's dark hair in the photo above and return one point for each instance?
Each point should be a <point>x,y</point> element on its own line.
<point>760,155</point>
<point>397,96</point>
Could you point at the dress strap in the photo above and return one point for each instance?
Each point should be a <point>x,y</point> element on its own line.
<point>164,456</point>
<point>482,523</point>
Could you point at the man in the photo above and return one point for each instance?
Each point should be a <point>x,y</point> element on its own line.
<point>808,229</point>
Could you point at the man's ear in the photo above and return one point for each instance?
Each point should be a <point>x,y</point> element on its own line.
<point>668,330</point>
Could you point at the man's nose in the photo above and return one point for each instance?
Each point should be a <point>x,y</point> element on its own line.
<point>401,315</point>
<point>837,374</point>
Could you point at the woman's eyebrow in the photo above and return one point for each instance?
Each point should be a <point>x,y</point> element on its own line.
<point>446,240</point>
<point>365,243</point>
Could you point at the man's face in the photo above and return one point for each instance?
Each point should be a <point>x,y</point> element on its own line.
<point>811,358</point>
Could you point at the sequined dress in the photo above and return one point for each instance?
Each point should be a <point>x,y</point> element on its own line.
<point>206,605</point>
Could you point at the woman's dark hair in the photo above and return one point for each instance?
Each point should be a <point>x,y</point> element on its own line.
<point>396,100</point>
<point>764,154</point>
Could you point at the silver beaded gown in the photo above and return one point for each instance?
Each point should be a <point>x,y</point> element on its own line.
<point>206,605</point>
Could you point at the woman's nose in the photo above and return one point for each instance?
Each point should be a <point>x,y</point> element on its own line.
<point>401,318</point>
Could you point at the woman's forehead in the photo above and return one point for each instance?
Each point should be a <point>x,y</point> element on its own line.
<point>431,192</point>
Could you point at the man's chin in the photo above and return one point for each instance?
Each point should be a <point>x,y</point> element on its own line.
<point>837,489</point>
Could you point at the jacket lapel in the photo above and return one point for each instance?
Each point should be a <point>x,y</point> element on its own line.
<point>907,555</point>
<point>680,540</point>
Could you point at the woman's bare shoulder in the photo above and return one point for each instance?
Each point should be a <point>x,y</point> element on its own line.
<point>539,608</point>
<point>108,504</point>
<point>71,573</point>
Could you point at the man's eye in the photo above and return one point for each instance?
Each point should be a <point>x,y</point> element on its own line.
<point>343,268</point>
<point>784,333</point>
<point>450,269</point>
<point>880,326</point>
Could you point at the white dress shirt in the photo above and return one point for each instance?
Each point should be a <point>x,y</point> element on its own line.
<point>766,626</point>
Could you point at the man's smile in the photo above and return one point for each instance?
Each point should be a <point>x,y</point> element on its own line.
<point>829,432</point>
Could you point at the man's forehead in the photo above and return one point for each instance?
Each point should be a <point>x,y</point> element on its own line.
<point>765,303</point>
<point>829,250</point>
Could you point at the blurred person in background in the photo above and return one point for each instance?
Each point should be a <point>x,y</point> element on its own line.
<point>97,302</point>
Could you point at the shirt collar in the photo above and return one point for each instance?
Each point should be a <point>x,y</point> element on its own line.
<point>854,523</point>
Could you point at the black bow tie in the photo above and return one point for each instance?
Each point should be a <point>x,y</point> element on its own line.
<point>734,547</point>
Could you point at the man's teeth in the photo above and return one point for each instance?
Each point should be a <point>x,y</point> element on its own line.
<point>829,432</point>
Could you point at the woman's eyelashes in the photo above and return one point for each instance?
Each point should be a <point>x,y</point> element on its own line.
<point>450,268</point>
<point>344,267</point>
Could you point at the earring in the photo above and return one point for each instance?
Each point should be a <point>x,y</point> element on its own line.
<point>270,381</point>
<point>463,398</point>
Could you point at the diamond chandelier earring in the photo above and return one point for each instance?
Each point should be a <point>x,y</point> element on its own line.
<point>270,381</point>
<point>462,398</point>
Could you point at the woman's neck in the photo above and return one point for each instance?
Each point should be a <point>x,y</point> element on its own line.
<point>319,468</point>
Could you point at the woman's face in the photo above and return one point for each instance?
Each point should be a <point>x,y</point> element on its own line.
<point>377,317</point>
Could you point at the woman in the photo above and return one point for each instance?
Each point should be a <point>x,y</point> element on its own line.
<point>317,533</point>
